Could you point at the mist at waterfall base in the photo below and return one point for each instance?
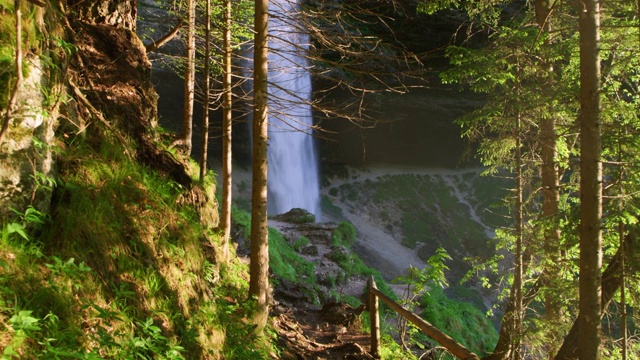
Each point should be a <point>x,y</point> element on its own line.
<point>293,180</point>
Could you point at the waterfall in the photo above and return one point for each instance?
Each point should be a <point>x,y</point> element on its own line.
<point>293,164</point>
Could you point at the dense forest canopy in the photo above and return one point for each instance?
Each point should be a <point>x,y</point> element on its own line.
<point>110,243</point>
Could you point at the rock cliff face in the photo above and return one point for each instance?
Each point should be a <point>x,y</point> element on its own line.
<point>25,152</point>
<point>27,168</point>
<point>119,13</point>
<point>105,84</point>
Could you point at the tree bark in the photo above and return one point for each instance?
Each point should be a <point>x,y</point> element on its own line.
<point>205,102</point>
<point>259,267</point>
<point>611,281</point>
<point>189,78</point>
<point>227,117</point>
<point>518,275</point>
<point>590,182</point>
<point>165,39</point>
<point>550,195</point>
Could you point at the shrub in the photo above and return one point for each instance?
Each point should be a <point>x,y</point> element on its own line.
<point>344,235</point>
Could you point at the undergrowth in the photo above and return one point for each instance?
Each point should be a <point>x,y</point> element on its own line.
<point>118,270</point>
<point>460,320</point>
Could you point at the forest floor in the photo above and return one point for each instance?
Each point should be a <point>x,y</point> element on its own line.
<point>307,330</point>
<point>332,332</point>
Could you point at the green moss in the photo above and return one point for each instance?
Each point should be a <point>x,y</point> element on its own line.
<point>300,243</point>
<point>329,208</point>
<point>30,42</point>
<point>344,234</point>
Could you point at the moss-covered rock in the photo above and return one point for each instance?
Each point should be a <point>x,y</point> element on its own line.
<point>26,163</point>
<point>296,216</point>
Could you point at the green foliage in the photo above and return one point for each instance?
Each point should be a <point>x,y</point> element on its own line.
<point>460,320</point>
<point>300,243</point>
<point>18,233</point>
<point>149,342</point>
<point>345,234</point>
<point>529,76</point>
<point>117,270</point>
<point>482,11</point>
<point>286,263</point>
<point>417,282</point>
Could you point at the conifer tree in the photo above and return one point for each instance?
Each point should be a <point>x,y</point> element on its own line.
<point>590,182</point>
<point>227,118</point>
<point>259,267</point>
<point>189,78</point>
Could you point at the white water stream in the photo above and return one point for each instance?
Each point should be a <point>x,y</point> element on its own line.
<point>292,156</point>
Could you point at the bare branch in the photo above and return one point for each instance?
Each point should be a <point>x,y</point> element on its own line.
<point>157,44</point>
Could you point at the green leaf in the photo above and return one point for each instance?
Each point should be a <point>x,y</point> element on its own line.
<point>17,228</point>
<point>24,321</point>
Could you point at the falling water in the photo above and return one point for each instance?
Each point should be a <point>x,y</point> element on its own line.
<point>293,165</point>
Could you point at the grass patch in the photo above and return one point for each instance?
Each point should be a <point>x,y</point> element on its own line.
<point>345,234</point>
<point>117,270</point>
<point>284,261</point>
<point>425,208</point>
<point>460,320</point>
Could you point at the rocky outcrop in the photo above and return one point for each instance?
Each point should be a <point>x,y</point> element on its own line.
<point>119,13</point>
<point>26,150</point>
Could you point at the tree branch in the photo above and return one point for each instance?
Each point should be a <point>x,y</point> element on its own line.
<point>156,44</point>
<point>38,3</point>
<point>611,282</point>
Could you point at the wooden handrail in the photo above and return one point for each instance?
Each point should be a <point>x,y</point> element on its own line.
<point>445,340</point>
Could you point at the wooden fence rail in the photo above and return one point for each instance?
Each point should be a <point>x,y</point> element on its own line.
<point>445,340</point>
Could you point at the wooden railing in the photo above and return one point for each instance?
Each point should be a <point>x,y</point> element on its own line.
<point>446,341</point>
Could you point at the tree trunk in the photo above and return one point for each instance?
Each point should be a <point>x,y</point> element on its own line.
<point>189,78</point>
<point>503,349</point>
<point>205,102</point>
<point>227,117</point>
<point>259,267</point>
<point>623,295</point>
<point>550,196</point>
<point>518,311</point>
<point>590,182</point>
<point>611,281</point>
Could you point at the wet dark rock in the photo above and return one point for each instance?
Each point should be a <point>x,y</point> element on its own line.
<point>311,250</point>
<point>340,313</point>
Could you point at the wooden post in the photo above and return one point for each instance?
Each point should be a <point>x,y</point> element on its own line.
<point>374,317</point>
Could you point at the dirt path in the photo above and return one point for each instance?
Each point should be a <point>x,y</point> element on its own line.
<point>305,330</point>
<point>332,332</point>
